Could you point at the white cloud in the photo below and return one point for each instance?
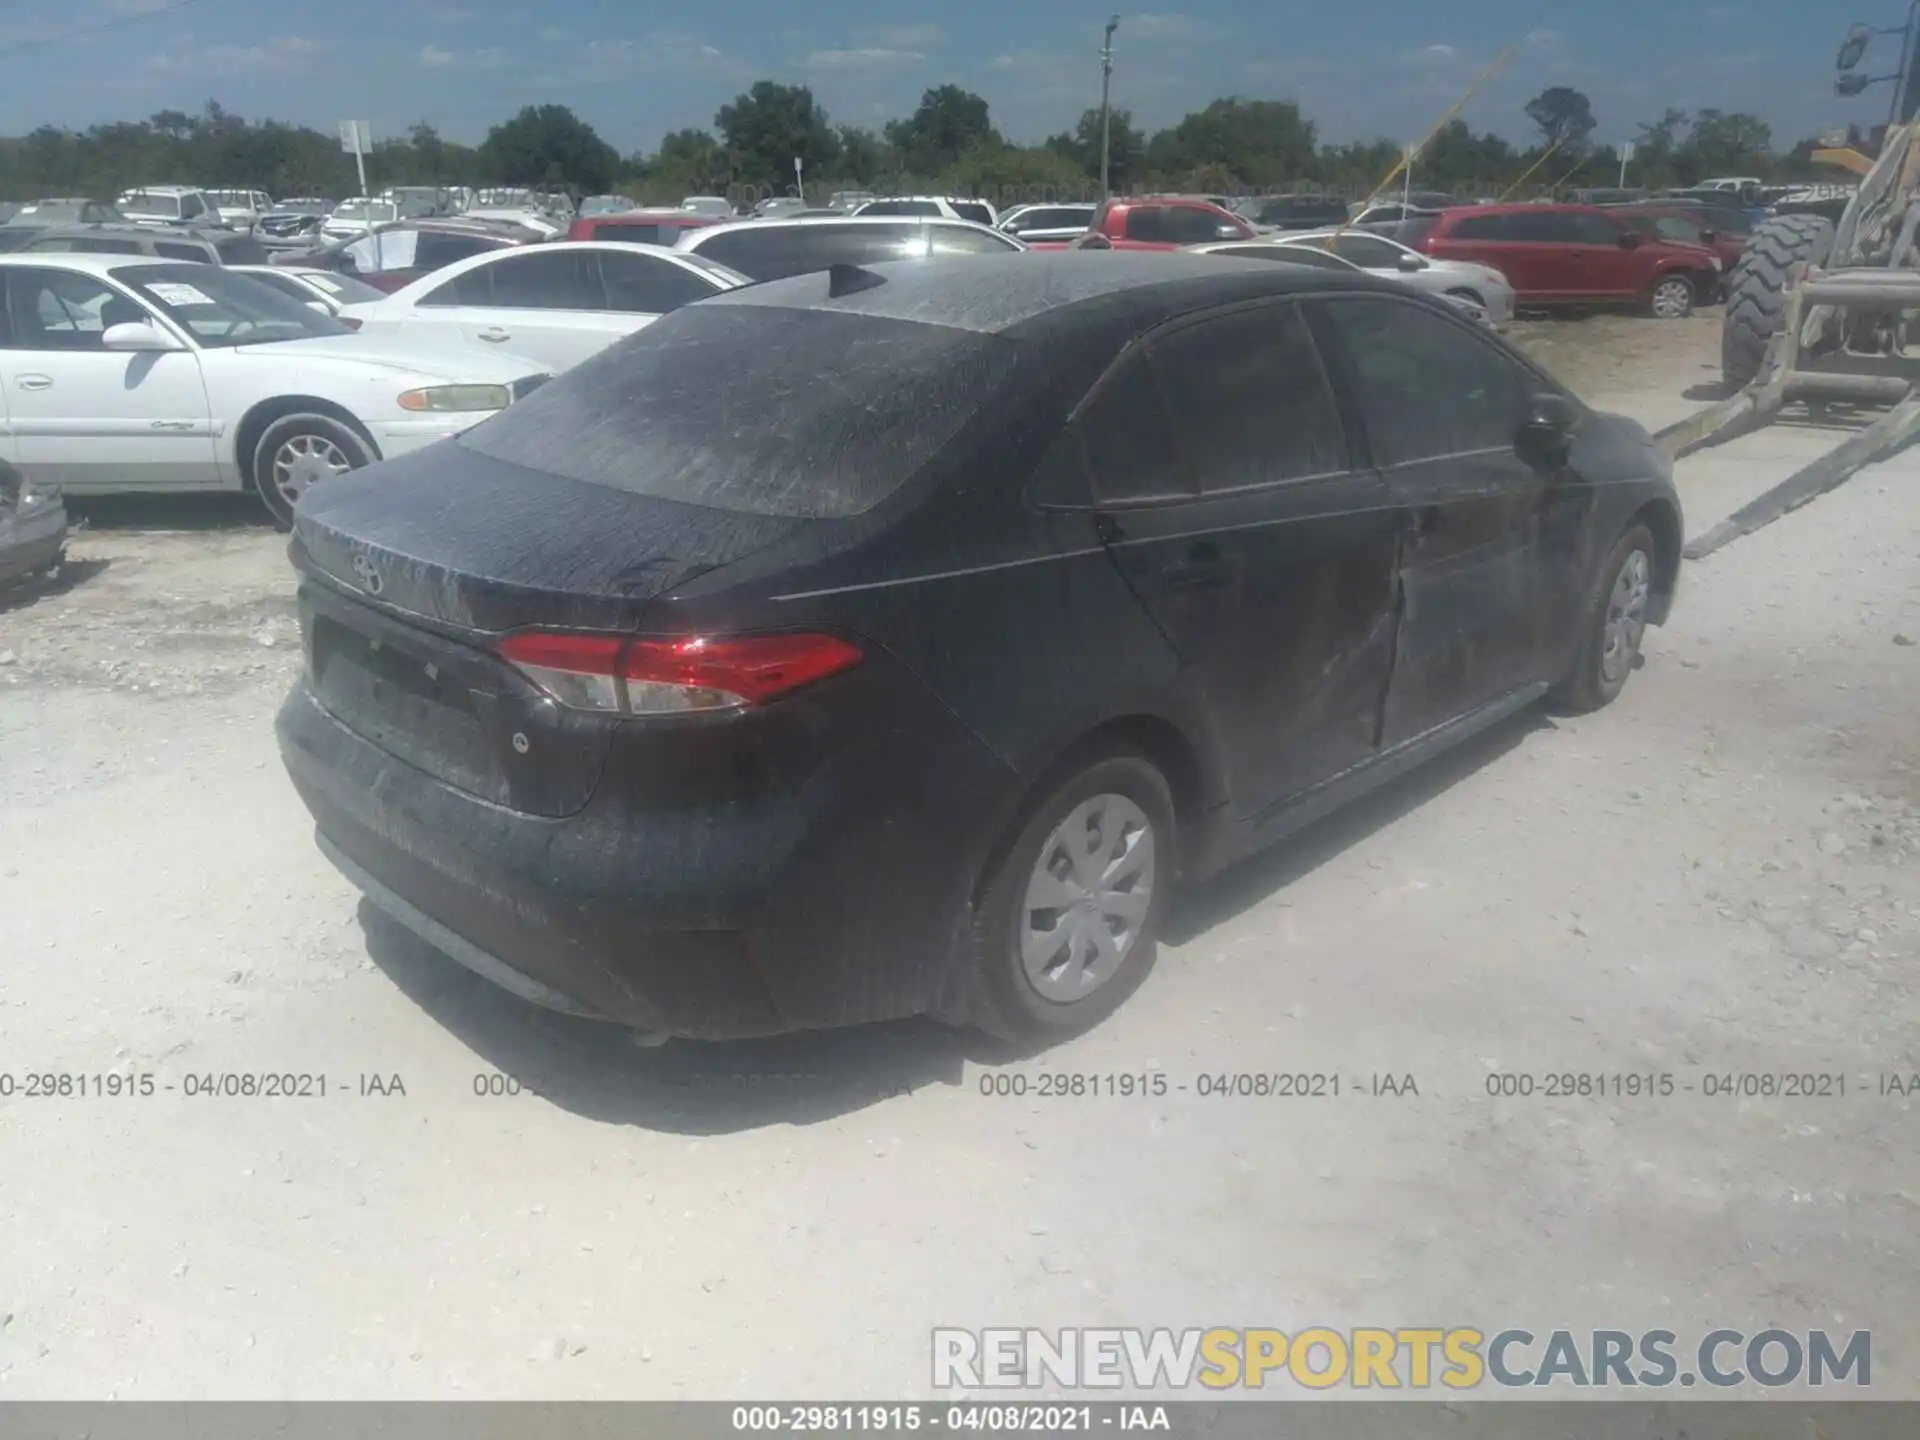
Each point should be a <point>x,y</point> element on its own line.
<point>873,57</point>
<point>281,55</point>
<point>432,57</point>
<point>1166,27</point>
<point>903,37</point>
<point>1431,57</point>
<point>663,52</point>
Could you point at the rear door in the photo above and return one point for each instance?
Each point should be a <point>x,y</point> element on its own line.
<point>1222,475</point>
<point>1489,540</point>
<point>547,306</point>
<point>1602,266</point>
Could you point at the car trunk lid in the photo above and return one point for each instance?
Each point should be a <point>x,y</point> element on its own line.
<point>413,570</point>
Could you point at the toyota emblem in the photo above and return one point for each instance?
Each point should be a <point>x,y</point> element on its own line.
<point>370,580</point>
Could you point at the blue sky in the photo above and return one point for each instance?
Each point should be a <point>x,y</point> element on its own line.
<point>637,69</point>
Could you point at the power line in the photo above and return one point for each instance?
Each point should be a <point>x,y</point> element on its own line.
<point>114,24</point>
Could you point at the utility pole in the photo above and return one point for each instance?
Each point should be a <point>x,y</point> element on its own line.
<point>1106,89</point>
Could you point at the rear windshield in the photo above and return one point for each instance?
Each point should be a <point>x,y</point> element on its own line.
<point>807,413</point>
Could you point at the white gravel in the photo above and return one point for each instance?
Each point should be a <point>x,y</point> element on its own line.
<point>1716,875</point>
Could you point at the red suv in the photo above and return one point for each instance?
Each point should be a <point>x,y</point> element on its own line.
<point>639,227</point>
<point>1577,255</point>
<point>1161,222</point>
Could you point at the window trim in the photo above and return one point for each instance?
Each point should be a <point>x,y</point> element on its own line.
<point>154,315</point>
<point>1314,308</point>
<point>1359,452</point>
<point>666,262</point>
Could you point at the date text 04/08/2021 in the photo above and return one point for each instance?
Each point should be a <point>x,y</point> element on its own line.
<point>1038,1419</point>
<point>1154,1085</point>
<point>221,1084</point>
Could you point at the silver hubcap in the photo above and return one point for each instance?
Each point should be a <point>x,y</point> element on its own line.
<point>303,461</point>
<point>1087,899</point>
<point>1672,299</point>
<point>1626,617</point>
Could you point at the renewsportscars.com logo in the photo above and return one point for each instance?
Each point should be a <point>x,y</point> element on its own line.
<point>1458,1358</point>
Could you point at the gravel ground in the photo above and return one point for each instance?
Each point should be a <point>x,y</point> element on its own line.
<point>1717,875</point>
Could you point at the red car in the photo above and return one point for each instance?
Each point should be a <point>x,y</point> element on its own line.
<point>1701,227</point>
<point>1577,255</point>
<point>639,227</point>
<point>1161,222</point>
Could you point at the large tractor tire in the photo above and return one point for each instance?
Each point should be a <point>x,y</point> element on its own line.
<point>1757,289</point>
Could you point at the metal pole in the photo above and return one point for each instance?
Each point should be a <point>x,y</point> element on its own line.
<point>1406,178</point>
<point>1106,88</point>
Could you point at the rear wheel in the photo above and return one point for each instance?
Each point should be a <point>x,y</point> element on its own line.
<point>1615,625</point>
<point>1671,298</point>
<point>1757,288</point>
<point>296,453</point>
<point>1065,927</point>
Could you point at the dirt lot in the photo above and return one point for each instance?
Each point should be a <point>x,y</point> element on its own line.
<point>1719,875</point>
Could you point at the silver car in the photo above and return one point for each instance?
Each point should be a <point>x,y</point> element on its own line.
<point>1460,280</point>
<point>777,248</point>
<point>1471,301</point>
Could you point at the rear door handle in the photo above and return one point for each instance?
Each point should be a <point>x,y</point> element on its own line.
<point>495,334</point>
<point>35,382</point>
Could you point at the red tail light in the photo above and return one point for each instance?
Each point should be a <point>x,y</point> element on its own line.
<point>664,677</point>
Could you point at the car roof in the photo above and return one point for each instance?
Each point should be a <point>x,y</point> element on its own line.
<point>1525,207</point>
<point>994,294</point>
<point>162,190</point>
<point>91,264</point>
<point>762,226</point>
<point>130,231</point>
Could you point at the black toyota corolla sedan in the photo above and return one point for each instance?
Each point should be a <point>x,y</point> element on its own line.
<point>892,641</point>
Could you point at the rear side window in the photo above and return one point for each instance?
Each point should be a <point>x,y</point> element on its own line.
<point>168,250</point>
<point>1251,405</point>
<point>1149,223</point>
<point>1128,439</point>
<point>1293,254</point>
<point>648,285</point>
<point>807,413</point>
<point>436,248</point>
<point>900,207</point>
<point>777,251</point>
<point>1190,225</point>
<point>1484,227</point>
<point>1427,387</point>
<point>953,240</point>
<point>973,210</point>
<point>648,233</point>
<point>529,280</point>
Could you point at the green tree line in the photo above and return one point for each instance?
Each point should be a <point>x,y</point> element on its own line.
<point>947,145</point>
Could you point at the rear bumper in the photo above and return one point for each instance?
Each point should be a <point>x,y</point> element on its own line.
<point>840,901</point>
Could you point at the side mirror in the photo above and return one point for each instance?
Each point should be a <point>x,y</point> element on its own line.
<point>1411,263</point>
<point>137,335</point>
<point>1546,435</point>
<point>1631,239</point>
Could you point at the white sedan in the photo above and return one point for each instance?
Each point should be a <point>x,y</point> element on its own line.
<point>1480,285</point>
<point>122,373</point>
<point>555,304</point>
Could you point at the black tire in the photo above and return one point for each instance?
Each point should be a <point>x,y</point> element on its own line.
<point>316,430</point>
<point>1592,683</point>
<point>1757,288</point>
<point>1004,1000</point>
